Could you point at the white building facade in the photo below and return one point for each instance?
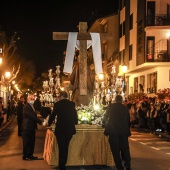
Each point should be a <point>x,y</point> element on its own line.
<point>144,44</point>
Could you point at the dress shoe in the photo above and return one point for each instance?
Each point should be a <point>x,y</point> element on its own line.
<point>25,158</point>
<point>32,157</point>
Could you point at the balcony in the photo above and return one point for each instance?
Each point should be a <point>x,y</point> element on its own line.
<point>158,20</point>
<point>159,56</point>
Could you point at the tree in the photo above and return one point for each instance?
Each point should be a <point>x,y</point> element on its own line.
<point>27,73</point>
<point>10,48</point>
<point>22,70</point>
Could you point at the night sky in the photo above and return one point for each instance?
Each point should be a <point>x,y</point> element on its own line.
<point>35,23</point>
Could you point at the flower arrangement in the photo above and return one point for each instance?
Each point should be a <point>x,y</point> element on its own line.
<point>91,114</point>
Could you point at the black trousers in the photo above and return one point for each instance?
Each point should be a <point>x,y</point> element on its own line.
<point>19,126</point>
<point>1,121</point>
<point>119,146</point>
<point>28,142</point>
<point>63,141</point>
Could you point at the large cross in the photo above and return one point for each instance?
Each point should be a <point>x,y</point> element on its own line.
<point>83,36</point>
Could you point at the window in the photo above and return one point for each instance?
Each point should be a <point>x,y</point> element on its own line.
<point>122,29</point>
<point>142,84</point>
<point>152,82</point>
<point>150,48</point>
<point>136,84</point>
<point>150,13</point>
<point>122,4</point>
<point>131,22</point>
<point>130,52</point>
<point>121,57</point>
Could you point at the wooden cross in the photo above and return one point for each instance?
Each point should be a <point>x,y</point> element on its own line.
<point>83,36</point>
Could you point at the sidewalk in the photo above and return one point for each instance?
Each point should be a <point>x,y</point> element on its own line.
<point>11,149</point>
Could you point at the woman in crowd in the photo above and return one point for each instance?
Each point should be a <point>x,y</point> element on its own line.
<point>151,118</point>
<point>133,117</point>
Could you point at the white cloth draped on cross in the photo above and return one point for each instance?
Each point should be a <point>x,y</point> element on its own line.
<point>74,43</point>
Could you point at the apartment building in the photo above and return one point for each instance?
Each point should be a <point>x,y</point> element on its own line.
<point>110,49</point>
<point>144,44</point>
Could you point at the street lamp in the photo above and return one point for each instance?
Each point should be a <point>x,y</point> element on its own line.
<point>7,76</point>
<point>0,60</point>
<point>124,69</point>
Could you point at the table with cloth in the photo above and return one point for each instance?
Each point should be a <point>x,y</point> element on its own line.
<point>89,146</point>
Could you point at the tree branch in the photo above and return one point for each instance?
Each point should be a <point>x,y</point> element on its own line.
<point>14,75</point>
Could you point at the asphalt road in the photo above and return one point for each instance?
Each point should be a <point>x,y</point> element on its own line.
<point>148,151</point>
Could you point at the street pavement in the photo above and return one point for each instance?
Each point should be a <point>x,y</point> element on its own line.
<point>11,149</point>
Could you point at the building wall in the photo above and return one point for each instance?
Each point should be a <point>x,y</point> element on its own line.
<point>163,77</point>
<point>161,6</point>
<point>133,33</point>
<point>162,72</point>
<point>161,34</point>
<point>112,28</point>
<point>108,47</point>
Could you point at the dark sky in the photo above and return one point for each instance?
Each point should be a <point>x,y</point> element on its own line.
<point>35,21</point>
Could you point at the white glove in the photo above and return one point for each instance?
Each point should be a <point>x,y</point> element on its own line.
<point>45,122</point>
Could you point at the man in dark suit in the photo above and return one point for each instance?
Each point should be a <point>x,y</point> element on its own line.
<point>37,105</point>
<point>20,106</point>
<point>30,121</point>
<point>65,126</point>
<point>117,128</point>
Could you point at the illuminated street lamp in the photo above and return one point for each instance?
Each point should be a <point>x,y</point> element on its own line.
<point>124,70</point>
<point>0,60</point>
<point>7,74</point>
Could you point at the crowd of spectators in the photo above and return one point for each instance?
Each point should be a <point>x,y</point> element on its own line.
<point>151,113</point>
<point>145,112</point>
<point>6,113</point>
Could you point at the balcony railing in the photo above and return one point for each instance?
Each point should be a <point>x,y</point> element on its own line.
<point>159,56</point>
<point>158,20</point>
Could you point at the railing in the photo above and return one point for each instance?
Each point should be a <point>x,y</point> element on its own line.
<point>159,56</point>
<point>152,90</point>
<point>158,20</point>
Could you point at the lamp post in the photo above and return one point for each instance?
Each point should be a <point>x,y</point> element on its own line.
<point>7,76</point>
<point>124,69</point>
